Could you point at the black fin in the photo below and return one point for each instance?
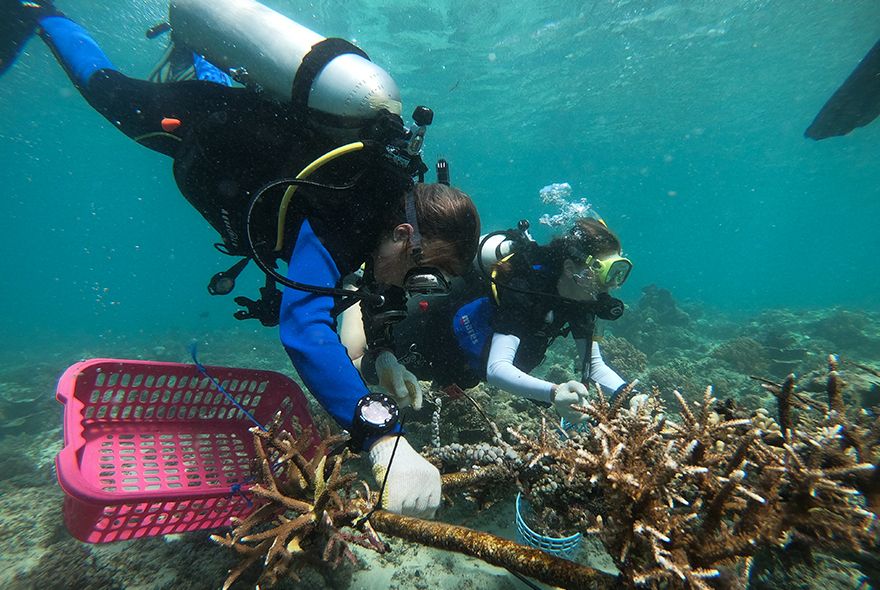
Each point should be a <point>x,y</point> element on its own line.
<point>17,24</point>
<point>855,104</point>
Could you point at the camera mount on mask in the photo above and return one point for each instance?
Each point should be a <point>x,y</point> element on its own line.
<point>396,149</point>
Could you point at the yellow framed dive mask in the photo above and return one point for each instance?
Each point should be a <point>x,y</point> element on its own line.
<point>611,271</point>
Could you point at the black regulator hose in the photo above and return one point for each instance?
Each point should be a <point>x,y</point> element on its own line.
<point>369,298</point>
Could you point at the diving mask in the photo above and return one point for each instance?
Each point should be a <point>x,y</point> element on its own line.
<point>611,271</point>
<point>426,280</point>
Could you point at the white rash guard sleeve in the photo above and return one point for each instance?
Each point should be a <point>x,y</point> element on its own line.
<point>599,372</point>
<point>501,372</point>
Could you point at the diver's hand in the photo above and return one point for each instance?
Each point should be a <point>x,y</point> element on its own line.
<point>413,485</point>
<point>398,381</point>
<point>572,393</point>
<point>637,402</point>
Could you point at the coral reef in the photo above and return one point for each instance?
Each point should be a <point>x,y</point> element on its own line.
<point>742,354</point>
<point>657,326</point>
<point>627,360</point>
<point>658,302</point>
<point>310,511</point>
<point>846,330</point>
<point>687,502</point>
<point>791,341</point>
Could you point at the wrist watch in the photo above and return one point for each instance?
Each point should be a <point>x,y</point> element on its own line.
<point>375,414</point>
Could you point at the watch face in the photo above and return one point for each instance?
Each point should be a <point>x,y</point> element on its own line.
<point>376,413</point>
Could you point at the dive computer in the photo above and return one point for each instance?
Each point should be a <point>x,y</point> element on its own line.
<point>376,414</point>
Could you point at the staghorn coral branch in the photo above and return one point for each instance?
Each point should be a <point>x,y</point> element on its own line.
<point>255,518</point>
<point>621,397</point>
<point>715,508</point>
<point>706,407</point>
<point>252,556</point>
<point>494,550</point>
<point>276,496</point>
<point>739,455</point>
<point>285,529</point>
<point>783,402</point>
<point>686,415</point>
<point>835,387</point>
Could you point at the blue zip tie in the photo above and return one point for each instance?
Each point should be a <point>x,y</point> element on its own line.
<point>204,371</point>
<point>235,490</point>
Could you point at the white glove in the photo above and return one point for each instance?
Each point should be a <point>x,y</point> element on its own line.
<point>413,485</point>
<point>637,402</point>
<point>567,395</point>
<point>397,381</point>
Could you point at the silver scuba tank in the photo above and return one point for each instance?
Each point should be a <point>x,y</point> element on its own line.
<point>264,49</point>
<point>495,246</point>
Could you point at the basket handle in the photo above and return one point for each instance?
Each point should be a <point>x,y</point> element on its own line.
<point>73,411</point>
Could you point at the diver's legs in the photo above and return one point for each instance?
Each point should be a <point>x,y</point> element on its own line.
<point>75,50</point>
<point>133,106</point>
<point>145,111</point>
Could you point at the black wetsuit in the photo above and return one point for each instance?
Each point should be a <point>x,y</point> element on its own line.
<point>433,345</point>
<point>229,144</point>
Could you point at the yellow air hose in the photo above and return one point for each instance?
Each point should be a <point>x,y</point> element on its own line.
<point>308,170</point>
<point>495,272</point>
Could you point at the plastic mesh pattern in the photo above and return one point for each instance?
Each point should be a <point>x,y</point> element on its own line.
<point>169,461</point>
<point>155,448</point>
<point>563,547</point>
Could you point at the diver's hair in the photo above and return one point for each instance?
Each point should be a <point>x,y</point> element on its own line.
<point>588,237</point>
<point>448,222</point>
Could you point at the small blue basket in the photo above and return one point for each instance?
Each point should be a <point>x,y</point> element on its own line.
<point>563,547</point>
<point>581,427</point>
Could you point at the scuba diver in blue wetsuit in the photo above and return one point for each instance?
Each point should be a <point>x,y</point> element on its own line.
<point>309,163</point>
<point>498,321</point>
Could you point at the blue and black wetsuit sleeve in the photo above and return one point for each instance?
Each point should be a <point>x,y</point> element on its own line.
<point>308,331</point>
<point>135,107</point>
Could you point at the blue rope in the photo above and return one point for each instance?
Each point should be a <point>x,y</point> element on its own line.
<point>235,489</point>
<point>204,371</point>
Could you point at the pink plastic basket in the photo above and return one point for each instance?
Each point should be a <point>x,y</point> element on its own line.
<point>155,448</point>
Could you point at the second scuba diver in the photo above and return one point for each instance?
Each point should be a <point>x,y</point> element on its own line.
<point>353,206</point>
<point>497,322</point>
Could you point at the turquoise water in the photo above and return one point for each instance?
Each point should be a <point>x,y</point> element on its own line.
<point>682,123</point>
